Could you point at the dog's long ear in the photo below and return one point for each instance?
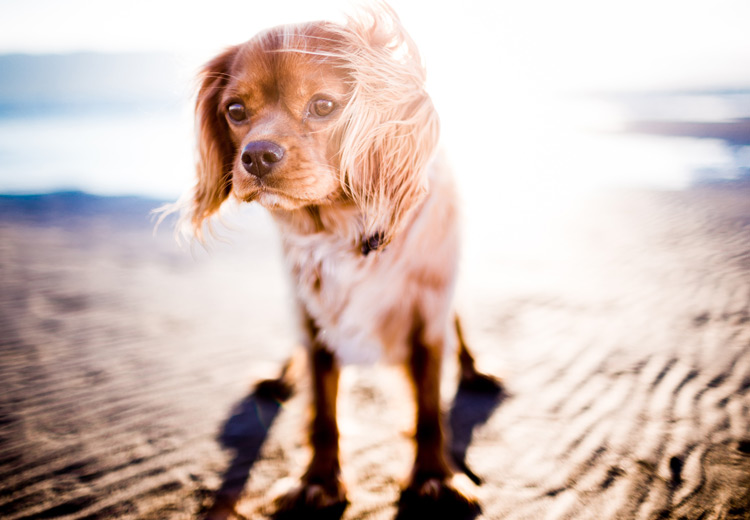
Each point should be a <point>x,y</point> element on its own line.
<point>389,129</point>
<point>215,149</point>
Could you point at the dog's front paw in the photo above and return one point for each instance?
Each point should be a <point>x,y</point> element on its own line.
<point>323,499</point>
<point>453,496</point>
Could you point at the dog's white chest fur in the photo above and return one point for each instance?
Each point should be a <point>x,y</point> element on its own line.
<point>345,293</point>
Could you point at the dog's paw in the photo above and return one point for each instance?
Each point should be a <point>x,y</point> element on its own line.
<point>481,384</point>
<point>453,496</point>
<point>326,500</point>
<point>274,389</point>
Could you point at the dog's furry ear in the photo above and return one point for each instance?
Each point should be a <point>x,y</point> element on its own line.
<point>389,128</point>
<point>215,149</point>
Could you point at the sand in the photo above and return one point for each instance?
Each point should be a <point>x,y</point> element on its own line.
<point>621,328</point>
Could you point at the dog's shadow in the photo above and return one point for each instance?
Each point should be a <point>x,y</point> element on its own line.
<point>246,429</point>
<point>244,433</point>
<point>471,408</point>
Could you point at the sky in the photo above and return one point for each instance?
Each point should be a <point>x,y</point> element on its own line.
<point>552,44</point>
<point>504,75</point>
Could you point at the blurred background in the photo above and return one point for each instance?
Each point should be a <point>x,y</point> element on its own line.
<point>97,96</point>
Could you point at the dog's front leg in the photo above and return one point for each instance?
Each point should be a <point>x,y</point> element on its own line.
<point>433,479</point>
<point>321,486</point>
<point>325,468</point>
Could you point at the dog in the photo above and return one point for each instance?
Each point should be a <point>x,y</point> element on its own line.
<point>329,127</point>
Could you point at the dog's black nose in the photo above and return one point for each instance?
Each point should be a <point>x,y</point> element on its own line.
<point>259,157</point>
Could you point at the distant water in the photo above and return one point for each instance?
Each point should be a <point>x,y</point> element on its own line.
<point>136,149</point>
<point>709,129</point>
<point>129,132</point>
<point>102,123</point>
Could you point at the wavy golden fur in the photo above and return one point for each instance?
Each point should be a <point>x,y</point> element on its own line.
<point>387,130</point>
<point>330,128</point>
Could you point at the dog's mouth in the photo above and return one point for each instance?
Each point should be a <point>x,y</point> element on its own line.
<point>270,198</point>
<point>276,193</point>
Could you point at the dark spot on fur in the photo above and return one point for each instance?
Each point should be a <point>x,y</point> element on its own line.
<point>316,284</point>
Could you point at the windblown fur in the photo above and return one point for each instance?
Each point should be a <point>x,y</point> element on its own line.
<point>330,128</point>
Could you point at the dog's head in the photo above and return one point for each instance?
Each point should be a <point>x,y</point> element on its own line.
<point>317,114</point>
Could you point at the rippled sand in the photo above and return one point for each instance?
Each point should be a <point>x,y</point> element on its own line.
<point>621,330</point>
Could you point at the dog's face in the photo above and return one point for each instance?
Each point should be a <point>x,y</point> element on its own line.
<point>317,114</point>
<point>280,107</point>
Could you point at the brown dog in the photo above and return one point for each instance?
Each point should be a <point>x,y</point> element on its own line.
<point>329,127</point>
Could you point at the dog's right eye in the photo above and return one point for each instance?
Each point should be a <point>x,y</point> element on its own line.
<point>237,112</point>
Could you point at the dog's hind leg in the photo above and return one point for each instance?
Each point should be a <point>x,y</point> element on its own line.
<point>282,387</point>
<point>471,379</point>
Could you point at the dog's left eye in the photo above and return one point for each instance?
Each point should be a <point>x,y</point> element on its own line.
<point>322,107</point>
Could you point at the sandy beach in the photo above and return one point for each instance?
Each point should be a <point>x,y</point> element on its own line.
<point>621,329</point>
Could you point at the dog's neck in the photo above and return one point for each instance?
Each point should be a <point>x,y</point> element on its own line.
<point>341,221</point>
